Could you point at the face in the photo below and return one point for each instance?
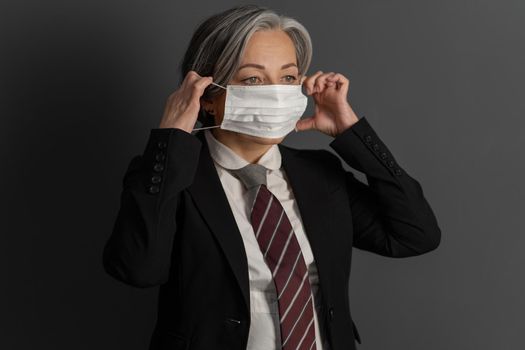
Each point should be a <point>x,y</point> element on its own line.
<point>269,58</point>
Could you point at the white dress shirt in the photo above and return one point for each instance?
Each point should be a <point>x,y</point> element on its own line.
<point>264,333</point>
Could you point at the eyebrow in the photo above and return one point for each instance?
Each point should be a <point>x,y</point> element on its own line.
<point>254,65</point>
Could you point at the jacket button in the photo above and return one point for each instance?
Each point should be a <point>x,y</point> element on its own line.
<point>162,144</point>
<point>384,155</point>
<point>156,179</point>
<point>390,163</point>
<point>331,313</point>
<point>368,139</point>
<point>397,171</point>
<point>159,157</point>
<point>376,147</point>
<point>153,189</point>
<point>158,167</point>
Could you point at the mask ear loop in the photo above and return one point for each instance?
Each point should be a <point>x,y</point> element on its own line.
<point>215,126</point>
<point>222,87</point>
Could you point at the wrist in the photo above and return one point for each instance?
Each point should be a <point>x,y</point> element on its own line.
<point>181,126</point>
<point>347,123</point>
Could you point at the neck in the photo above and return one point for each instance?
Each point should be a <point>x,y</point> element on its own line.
<point>243,145</point>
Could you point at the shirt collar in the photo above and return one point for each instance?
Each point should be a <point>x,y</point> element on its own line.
<point>228,159</point>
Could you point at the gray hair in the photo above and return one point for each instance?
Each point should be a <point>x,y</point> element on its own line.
<point>217,45</point>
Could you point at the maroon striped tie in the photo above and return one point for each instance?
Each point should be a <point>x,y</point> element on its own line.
<point>283,256</point>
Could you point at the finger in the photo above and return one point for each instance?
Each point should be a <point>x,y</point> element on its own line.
<point>340,80</point>
<point>305,124</point>
<point>203,82</point>
<point>338,77</point>
<point>302,80</point>
<point>199,86</point>
<point>194,74</point>
<point>190,78</point>
<point>310,81</point>
<point>320,81</point>
<point>331,80</point>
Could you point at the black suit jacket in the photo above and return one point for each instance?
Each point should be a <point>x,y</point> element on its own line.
<point>175,229</point>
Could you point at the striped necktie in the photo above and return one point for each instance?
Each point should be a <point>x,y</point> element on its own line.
<point>283,256</point>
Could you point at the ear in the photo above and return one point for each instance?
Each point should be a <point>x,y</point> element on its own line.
<point>207,105</point>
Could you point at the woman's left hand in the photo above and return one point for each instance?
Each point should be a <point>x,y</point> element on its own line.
<point>333,113</point>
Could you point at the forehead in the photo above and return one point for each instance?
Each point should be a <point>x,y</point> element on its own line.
<point>269,45</point>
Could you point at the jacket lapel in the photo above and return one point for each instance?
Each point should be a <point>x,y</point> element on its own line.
<point>210,198</point>
<point>310,190</point>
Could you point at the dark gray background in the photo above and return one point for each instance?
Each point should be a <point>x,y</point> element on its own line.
<point>442,83</point>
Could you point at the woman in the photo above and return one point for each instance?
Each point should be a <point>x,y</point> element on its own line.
<point>249,240</point>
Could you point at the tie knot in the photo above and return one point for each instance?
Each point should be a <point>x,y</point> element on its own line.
<point>251,175</point>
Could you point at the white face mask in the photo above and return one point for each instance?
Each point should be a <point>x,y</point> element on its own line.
<point>262,110</point>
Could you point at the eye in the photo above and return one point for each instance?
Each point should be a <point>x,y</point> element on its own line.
<point>250,80</point>
<point>290,78</point>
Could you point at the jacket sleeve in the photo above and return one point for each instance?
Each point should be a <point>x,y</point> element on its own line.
<point>138,252</point>
<point>390,215</point>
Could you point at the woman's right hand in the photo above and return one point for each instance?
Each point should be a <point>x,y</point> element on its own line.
<point>182,107</point>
